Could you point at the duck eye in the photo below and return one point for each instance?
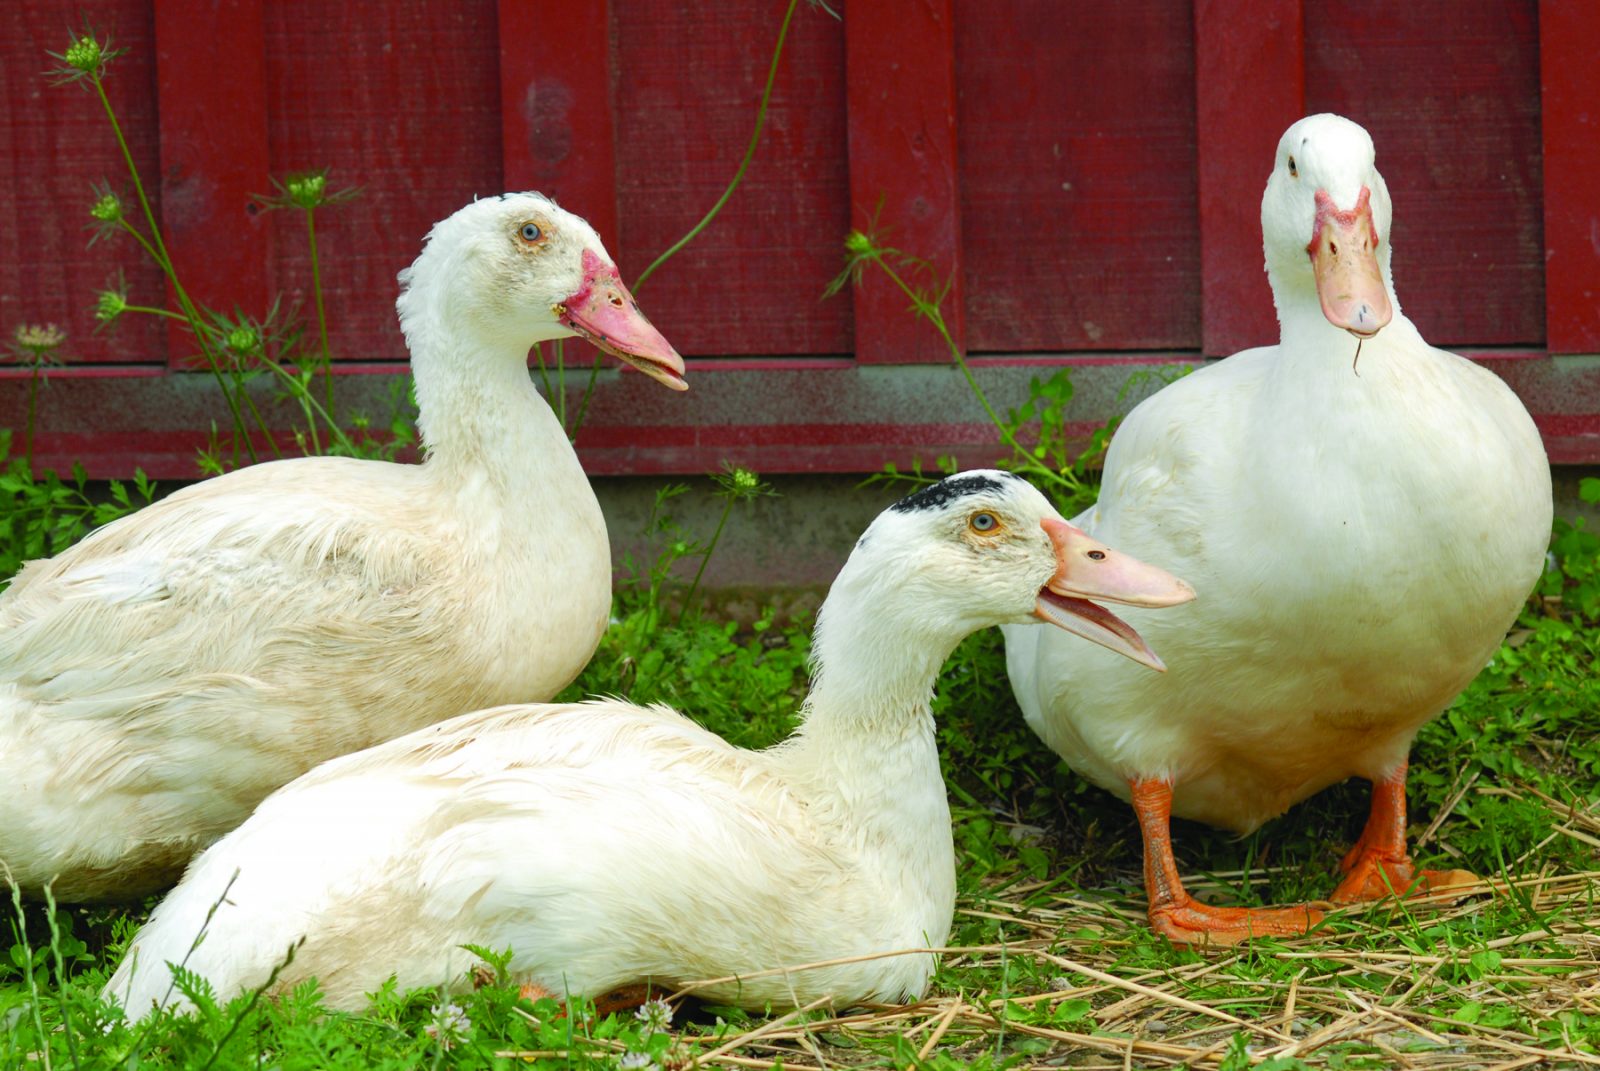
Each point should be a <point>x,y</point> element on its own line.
<point>983,522</point>
<point>1097,555</point>
<point>1292,172</point>
<point>531,232</point>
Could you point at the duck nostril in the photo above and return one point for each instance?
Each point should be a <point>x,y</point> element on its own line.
<point>615,299</point>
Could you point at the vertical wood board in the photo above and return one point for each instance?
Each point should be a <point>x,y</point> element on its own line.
<point>1568,35</point>
<point>402,100</point>
<point>557,131</point>
<point>904,175</point>
<point>213,156</point>
<point>1450,93</point>
<point>688,81</point>
<point>1250,87</point>
<point>55,144</point>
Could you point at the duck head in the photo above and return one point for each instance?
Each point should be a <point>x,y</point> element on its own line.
<point>1325,225</point>
<point>985,548</point>
<point>522,270</point>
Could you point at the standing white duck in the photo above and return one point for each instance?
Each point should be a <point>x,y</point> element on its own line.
<point>160,678</point>
<point>608,844</point>
<point>1363,535</point>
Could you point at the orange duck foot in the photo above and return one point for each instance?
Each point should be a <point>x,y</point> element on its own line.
<point>1373,876</point>
<point>621,999</point>
<point>1194,923</point>
<point>534,993</point>
<point>624,998</point>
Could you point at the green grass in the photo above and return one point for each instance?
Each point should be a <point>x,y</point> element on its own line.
<point>1052,964</point>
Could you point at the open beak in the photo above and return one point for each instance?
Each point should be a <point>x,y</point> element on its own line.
<point>1344,257</point>
<point>604,313</point>
<point>1086,569</point>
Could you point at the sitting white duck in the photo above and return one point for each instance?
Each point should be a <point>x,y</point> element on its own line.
<point>1364,532</point>
<point>160,678</point>
<point>609,845</point>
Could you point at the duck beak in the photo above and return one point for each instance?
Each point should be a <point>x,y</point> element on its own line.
<point>1344,257</point>
<point>1086,569</point>
<point>604,313</point>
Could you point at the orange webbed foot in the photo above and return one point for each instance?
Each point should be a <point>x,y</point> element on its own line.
<point>1373,876</point>
<point>624,998</point>
<point>621,999</point>
<point>1194,923</point>
<point>533,993</point>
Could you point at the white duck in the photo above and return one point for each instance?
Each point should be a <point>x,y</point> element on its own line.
<point>161,677</point>
<point>609,845</point>
<point>1362,536</point>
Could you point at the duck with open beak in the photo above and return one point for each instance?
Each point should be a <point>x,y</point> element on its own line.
<point>603,312</point>
<point>1087,569</point>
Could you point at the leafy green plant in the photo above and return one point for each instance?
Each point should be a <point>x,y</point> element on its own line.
<point>235,348</point>
<point>36,347</point>
<point>743,683</point>
<point>42,515</point>
<point>1048,459</point>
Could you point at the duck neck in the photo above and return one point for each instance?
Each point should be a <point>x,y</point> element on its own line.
<point>480,419</point>
<point>865,758</point>
<point>1315,346</point>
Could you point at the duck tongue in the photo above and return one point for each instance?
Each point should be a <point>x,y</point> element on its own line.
<point>1344,257</point>
<point>1085,569</point>
<point>605,313</point>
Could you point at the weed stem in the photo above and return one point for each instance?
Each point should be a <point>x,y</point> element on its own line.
<point>749,154</point>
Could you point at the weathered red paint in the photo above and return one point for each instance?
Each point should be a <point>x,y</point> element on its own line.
<point>55,146</point>
<point>689,77</point>
<point>1249,86</point>
<point>400,100</point>
<point>901,79</point>
<point>1570,90</point>
<point>776,416</point>
<point>1093,171</point>
<point>557,135</point>
<point>1075,125</point>
<point>1450,94</point>
<point>214,156</point>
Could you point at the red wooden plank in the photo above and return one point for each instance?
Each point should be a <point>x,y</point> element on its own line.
<point>213,155</point>
<point>1076,130</point>
<point>1450,93</point>
<point>557,134</point>
<point>689,78</point>
<point>556,129</point>
<point>1570,83</point>
<point>900,79</point>
<point>401,100</point>
<point>54,144</point>
<point>1249,88</point>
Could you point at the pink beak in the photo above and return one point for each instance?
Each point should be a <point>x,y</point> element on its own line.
<point>1344,256</point>
<point>605,313</point>
<point>1086,569</point>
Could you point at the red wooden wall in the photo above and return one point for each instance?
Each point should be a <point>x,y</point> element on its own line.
<point>1086,176</point>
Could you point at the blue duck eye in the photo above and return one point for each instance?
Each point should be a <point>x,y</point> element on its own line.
<point>983,522</point>
<point>531,232</point>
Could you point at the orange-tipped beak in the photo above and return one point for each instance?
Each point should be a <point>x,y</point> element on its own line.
<point>605,313</point>
<point>1344,257</point>
<point>1086,569</point>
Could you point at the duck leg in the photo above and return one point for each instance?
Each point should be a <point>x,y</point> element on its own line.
<point>1183,919</point>
<point>1378,864</point>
